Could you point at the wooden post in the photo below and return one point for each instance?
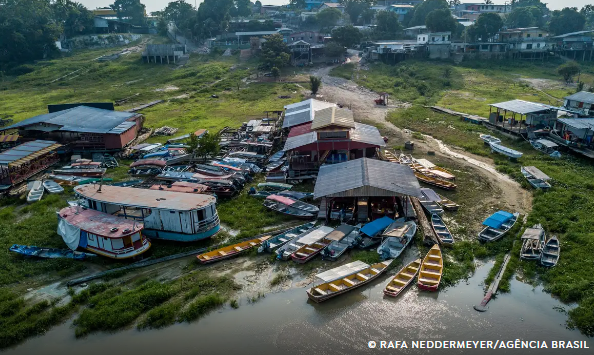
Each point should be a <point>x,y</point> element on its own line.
<point>429,237</point>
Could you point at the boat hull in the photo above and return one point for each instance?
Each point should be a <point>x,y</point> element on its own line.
<point>300,260</point>
<point>180,237</point>
<point>431,288</point>
<point>129,255</point>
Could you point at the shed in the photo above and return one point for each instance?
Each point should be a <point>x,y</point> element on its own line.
<point>532,114</point>
<point>27,159</point>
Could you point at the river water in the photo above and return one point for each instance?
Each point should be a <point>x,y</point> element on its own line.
<point>287,323</point>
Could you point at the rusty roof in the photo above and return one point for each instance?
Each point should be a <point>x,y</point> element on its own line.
<point>129,196</point>
<point>185,187</point>
<point>100,223</point>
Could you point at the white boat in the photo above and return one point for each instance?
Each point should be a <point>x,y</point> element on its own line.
<point>36,192</point>
<point>397,236</point>
<point>489,139</point>
<point>498,148</point>
<point>535,177</point>
<point>285,251</point>
<point>533,241</point>
<point>52,187</point>
<point>497,225</point>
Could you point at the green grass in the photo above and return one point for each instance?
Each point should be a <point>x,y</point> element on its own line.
<point>344,71</point>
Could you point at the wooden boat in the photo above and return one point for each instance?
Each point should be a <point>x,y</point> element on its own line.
<point>443,233</point>
<point>327,290</point>
<point>533,241</point>
<point>447,204</point>
<point>308,252</point>
<point>438,171</point>
<point>230,250</point>
<point>489,139</point>
<point>446,185</point>
<point>431,206</point>
<point>403,278</point>
<point>210,170</point>
<point>310,237</point>
<point>275,186</point>
<point>67,179</point>
<point>52,187</point>
<point>497,225</point>
<point>36,192</point>
<point>370,233</point>
<point>396,238</point>
<point>431,270</point>
<point>535,177</point>
<point>391,157</point>
<point>550,253</point>
<point>498,148</point>
<point>279,240</point>
<point>546,146</point>
<point>290,206</point>
<point>338,247</point>
<point>49,253</point>
<point>94,172</point>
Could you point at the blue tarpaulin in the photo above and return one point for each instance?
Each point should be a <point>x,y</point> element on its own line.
<point>379,225</point>
<point>498,219</point>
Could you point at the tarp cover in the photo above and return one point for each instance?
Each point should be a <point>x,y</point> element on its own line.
<point>342,271</point>
<point>373,228</point>
<point>498,219</point>
<point>70,233</point>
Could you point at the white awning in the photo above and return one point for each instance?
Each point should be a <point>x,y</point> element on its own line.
<point>341,271</point>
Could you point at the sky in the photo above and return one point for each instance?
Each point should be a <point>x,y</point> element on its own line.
<point>156,5</point>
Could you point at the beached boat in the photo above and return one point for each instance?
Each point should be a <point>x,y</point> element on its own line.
<point>210,170</point>
<point>489,139</point>
<point>432,169</point>
<point>279,240</point>
<point>182,186</point>
<point>533,241</point>
<point>370,233</point>
<point>333,288</point>
<point>443,233</point>
<point>498,148</point>
<point>49,253</point>
<point>274,186</point>
<point>535,177</point>
<point>497,225</point>
<point>431,270</point>
<point>403,278</point>
<point>101,233</point>
<point>396,238</point>
<point>36,192</point>
<point>312,236</point>
<point>550,253</point>
<point>429,201</point>
<point>86,169</point>
<point>290,206</point>
<point>447,204</point>
<point>52,187</point>
<point>67,179</point>
<point>338,247</point>
<point>391,157</point>
<point>308,252</point>
<point>230,250</point>
<point>546,146</point>
<point>446,185</point>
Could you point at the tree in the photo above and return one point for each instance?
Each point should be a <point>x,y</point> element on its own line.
<point>520,17</point>
<point>347,36</point>
<point>328,17</point>
<point>131,9</point>
<point>567,20</point>
<point>275,72</point>
<point>568,71</point>
<point>454,3</point>
<point>588,12</point>
<point>258,4</point>
<point>354,8</point>
<point>367,16</point>
<point>315,84</point>
<point>275,52</point>
<point>421,11</point>
<point>162,27</point>
<point>387,25</point>
<point>73,16</point>
<point>333,49</point>
<point>440,20</point>
<point>485,27</point>
<point>208,145</point>
<point>244,8</point>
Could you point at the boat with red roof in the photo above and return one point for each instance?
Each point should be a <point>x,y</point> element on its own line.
<point>291,207</point>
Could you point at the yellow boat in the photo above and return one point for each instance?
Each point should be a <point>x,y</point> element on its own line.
<point>308,252</point>
<point>322,292</point>
<point>230,250</point>
<point>448,204</point>
<point>391,157</point>
<point>431,270</point>
<point>431,180</point>
<point>402,279</point>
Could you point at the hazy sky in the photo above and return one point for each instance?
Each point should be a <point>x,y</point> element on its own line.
<point>155,5</point>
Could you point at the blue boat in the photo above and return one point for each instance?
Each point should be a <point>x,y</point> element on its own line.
<point>497,225</point>
<point>49,253</point>
<point>372,231</point>
<point>279,240</point>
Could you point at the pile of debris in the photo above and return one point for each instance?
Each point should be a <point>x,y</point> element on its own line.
<point>165,131</point>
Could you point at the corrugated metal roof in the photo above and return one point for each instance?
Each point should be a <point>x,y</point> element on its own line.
<point>12,156</point>
<point>303,112</point>
<point>578,123</point>
<point>582,96</point>
<point>81,119</point>
<point>299,130</point>
<point>122,127</point>
<point>366,177</point>
<point>367,134</point>
<point>100,223</point>
<point>300,141</point>
<point>573,34</point>
<point>333,116</point>
<point>521,106</point>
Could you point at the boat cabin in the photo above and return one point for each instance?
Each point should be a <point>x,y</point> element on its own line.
<point>101,233</point>
<point>166,215</point>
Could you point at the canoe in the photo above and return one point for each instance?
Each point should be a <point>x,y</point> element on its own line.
<point>497,225</point>
<point>308,252</point>
<point>403,278</point>
<point>442,231</point>
<point>396,238</point>
<point>52,187</point>
<point>498,148</point>
<point>36,192</point>
<point>49,253</point>
<point>439,172</point>
<point>66,179</point>
<point>327,290</point>
<point>431,206</point>
<point>535,177</point>
<point>533,241</point>
<point>279,240</point>
<point>291,207</point>
<point>391,157</point>
<point>446,185</point>
<point>274,186</point>
<point>550,252</point>
<point>310,237</point>
<point>489,139</point>
<point>431,270</point>
<point>447,204</point>
<point>230,251</point>
<point>87,172</point>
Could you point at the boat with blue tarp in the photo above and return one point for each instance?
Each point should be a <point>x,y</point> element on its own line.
<point>371,231</point>
<point>497,225</point>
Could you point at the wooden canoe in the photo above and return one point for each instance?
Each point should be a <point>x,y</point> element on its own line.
<point>402,279</point>
<point>446,185</point>
<point>448,204</point>
<point>391,157</point>
<point>441,230</point>
<point>431,270</point>
<point>308,252</point>
<point>230,250</point>
<point>325,291</point>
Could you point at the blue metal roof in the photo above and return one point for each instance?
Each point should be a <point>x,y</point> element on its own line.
<point>82,119</point>
<point>23,150</point>
<point>497,219</point>
<point>379,225</point>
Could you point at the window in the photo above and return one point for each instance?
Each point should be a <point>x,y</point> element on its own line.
<point>333,134</point>
<point>91,237</point>
<point>432,39</point>
<point>117,243</point>
<point>529,46</point>
<point>201,216</point>
<point>443,38</point>
<point>538,45</point>
<point>527,35</point>
<point>540,35</point>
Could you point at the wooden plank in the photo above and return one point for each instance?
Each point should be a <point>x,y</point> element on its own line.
<point>429,236</point>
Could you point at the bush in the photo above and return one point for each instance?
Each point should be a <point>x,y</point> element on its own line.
<point>201,306</point>
<point>21,70</point>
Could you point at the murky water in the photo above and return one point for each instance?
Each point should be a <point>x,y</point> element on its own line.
<point>287,323</point>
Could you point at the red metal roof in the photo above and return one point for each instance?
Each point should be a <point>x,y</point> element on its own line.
<point>100,223</point>
<point>299,130</point>
<point>281,199</point>
<point>156,162</point>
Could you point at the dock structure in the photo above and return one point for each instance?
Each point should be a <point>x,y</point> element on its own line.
<point>163,53</point>
<point>493,287</point>
<point>464,116</point>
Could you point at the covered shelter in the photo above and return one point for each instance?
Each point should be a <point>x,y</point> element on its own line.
<point>23,161</point>
<point>369,188</point>
<point>576,133</point>
<point>509,115</point>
